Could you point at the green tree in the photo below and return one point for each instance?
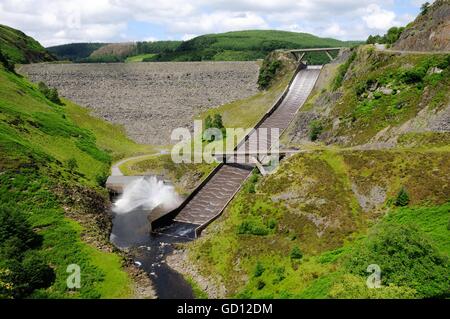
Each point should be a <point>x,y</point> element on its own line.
<point>296,253</point>
<point>259,269</point>
<point>402,198</point>
<point>424,8</point>
<point>315,129</point>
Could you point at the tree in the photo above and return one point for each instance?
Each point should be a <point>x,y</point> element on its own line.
<point>315,129</point>
<point>402,198</point>
<point>208,122</point>
<point>424,8</point>
<point>9,66</point>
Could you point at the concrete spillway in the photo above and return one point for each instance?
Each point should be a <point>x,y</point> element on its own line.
<point>210,199</point>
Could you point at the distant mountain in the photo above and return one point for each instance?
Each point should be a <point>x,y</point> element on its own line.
<point>20,48</point>
<point>75,51</point>
<point>430,31</point>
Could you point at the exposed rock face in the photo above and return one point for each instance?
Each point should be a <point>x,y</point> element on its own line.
<point>116,49</point>
<point>429,32</point>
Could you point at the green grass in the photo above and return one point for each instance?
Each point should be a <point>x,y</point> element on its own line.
<point>20,48</point>
<point>295,193</point>
<point>140,58</point>
<point>364,111</point>
<point>37,140</point>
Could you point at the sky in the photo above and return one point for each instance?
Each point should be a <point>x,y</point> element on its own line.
<point>54,22</point>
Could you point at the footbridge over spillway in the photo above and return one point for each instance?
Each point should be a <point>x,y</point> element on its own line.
<point>211,197</point>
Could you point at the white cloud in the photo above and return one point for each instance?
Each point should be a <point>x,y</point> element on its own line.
<point>378,18</point>
<point>55,21</point>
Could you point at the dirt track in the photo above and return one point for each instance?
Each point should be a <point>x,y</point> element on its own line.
<point>150,99</point>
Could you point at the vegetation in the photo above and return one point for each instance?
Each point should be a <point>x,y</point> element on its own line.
<point>381,90</point>
<point>244,45</point>
<point>315,129</point>
<point>267,73</point>
<point>392,35</point>
<point>75,52</point>
<point>50,93</point>
<point>17,47</point>
<point>402,198</point>
<point>213,123</point>
<point>50,156</point>
<point>342,71</point>
<point>306,255</point>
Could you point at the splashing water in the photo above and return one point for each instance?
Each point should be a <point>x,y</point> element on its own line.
<point>146,193</point>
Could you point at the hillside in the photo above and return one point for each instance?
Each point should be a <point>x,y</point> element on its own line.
<point>74,52</point>
<point>54,210</point>
<point>245,45</point>
<point>430,31</point>
<point>230,46</point>
<point>371,187</point>
<point>20,48</point>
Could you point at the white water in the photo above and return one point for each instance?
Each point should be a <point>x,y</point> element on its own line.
<point>147,194</point>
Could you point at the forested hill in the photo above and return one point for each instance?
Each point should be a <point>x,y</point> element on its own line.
<point>245,45</point>
<point>230,46</point>
<point>17,47</point>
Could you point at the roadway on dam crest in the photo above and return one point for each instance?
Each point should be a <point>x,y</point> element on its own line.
<point>209,202</point>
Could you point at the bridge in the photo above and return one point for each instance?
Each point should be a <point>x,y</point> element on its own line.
<point>299,54</point>
<point>210,198</point>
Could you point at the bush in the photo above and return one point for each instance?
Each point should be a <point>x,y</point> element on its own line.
<point>214,122</point>
<point>253,227</point>
<point>414,75</point>
<point>50,93</point>
<point>7,64</point>
<point>296,253</point>
<point>72,164</point>
<point>267,73</point>
<point>402,198</point>
<point>22,270</point>
<point>406,256</point>
<point>315,129</point>
<point>259,270</point>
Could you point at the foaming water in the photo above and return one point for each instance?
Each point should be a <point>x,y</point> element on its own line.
<point>146,193</point>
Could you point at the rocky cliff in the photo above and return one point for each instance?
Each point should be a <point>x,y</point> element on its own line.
<point>429,32</point>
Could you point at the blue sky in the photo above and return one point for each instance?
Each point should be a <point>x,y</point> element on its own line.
<point>56,22</point>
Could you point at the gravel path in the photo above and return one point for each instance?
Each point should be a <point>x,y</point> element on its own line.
<point>150,99</point>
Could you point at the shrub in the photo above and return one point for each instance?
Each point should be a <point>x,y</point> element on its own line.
<point>50,93</point>
<point>424,8</point>
<point>342,71</point>
<point>402,198</point>
<point>253,227</point>
<point>267,73</point>
<point>406,256</point>
<point>214,122</point>
<point>315,129</point>
<point>296,253</point>
<point>8,65</point>
<point>414,75</point>
<point>72,164</point>
<point>259,269</point>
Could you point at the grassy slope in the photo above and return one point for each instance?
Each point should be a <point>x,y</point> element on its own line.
<point>327,221</point>
<point>140,57</point>
<point>363,116</point>
<point>319,218</point>
<point>20,48</point>
<point>36,140</point>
